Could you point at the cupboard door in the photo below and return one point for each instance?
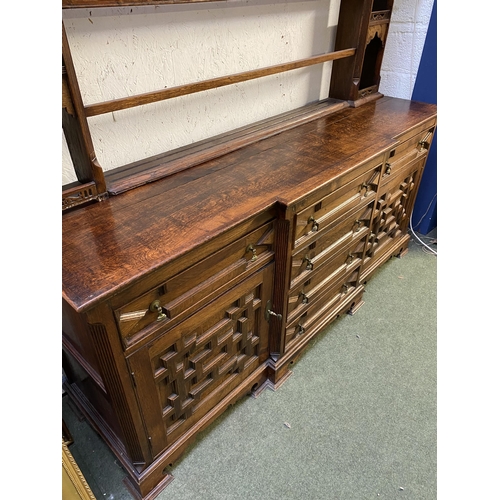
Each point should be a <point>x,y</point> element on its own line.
<point>184,374</point>
<point>392,213</point>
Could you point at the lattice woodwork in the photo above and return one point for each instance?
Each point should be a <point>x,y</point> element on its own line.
<point>391,215</point>
<point>189,370</point>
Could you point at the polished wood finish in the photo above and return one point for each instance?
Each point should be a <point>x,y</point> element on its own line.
<point>151,169</point>
<point>167,288</point>
<point>208,271</point>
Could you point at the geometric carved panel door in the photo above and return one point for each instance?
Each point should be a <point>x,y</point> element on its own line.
<point>184,373</point>
<point>392,211</point>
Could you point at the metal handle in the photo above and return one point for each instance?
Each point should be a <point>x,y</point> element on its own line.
<point>345,287</point>
<point>268,312</point>
<point>350,258</point>
<point>359,224</point>
<point>365,186</point>
<point>155,306</point>
<point>305,298</point>
<point>309,265</point>
<point>388,168</point>
<point>251,248</point>
<point>315,225</point>
<point>299,330</point>
<point>424,143</point>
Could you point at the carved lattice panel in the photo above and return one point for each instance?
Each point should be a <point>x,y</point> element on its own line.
<point>184,374</point>
<point>391,214</point>
<point>197,363</point>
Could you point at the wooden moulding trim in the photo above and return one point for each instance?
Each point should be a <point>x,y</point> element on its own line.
<point>154,168</point>
<point>160,95</point>
<point>78,194</point>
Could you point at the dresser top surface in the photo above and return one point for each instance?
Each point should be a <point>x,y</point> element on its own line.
<point>109,245</point>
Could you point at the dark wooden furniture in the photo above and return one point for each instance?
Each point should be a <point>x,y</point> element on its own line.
<point>357,79</point>
<point>184,294</point>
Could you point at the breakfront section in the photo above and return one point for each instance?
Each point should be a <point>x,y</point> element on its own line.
<point>328,233</point>
<point>154,364</point>
<point>339,234</point>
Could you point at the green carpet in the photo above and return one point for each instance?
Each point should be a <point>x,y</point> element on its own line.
<point>355,421</point>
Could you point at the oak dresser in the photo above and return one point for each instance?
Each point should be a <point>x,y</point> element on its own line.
<point>182,295</point>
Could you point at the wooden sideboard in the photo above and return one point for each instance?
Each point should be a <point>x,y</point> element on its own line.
<point>198,276</point>
<point>183,295</point>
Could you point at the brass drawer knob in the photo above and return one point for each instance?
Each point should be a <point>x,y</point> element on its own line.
<point>309,264</point>
<point>350,258</point>
<point>155,306</point>
<point>300,330</point>
<point>315,223</point>
<point>305,298</point>
<point>251,248</point>
<point>358,224</point>
<point>424,143</point>
<point>388,168</point>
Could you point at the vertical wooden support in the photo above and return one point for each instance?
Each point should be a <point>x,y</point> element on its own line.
<point>363,24</point>
<point>75,125</point>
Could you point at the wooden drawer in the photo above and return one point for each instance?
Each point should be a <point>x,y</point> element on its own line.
<point>350,228</point>
<point>182,375</point>
<point>413,144</point>
<point>341,265</point>
<point>318,217</point>
<point>320,312</point>
<point>179,296</point>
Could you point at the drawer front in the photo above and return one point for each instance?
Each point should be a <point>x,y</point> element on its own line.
<point>188,291</point>
<point>320,312</point>
<point>408,150</point>
<point>318,217</point>
<point>320,282</point>
<point>182,375</point>
<point>327,243</point>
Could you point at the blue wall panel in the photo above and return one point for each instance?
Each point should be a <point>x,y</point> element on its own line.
<point>424,217</point>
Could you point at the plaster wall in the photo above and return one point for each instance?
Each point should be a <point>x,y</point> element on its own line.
<point>124,51</point>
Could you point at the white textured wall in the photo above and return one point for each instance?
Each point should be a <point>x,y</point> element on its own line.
<point>125,51</point>
<point>405,42</point>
